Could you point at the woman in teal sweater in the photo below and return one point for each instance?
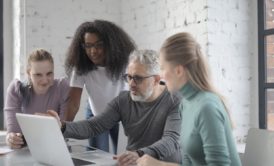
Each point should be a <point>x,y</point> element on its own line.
<point>206,135</point>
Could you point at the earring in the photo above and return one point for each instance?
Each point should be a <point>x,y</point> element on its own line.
<point>29,83</point>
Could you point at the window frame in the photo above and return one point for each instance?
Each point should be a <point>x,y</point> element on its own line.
<point>1,68</point>
<point>263,84</point>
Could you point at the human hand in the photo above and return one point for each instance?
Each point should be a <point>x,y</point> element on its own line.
<point>127,158</point>
<point>55,115</point>
<point>147,160</point>
<point>51,113</point>
<point>14,140</point>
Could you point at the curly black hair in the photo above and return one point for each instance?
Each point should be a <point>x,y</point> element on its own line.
<point>117,47</point>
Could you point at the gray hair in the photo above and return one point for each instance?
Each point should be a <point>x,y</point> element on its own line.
<point>149,58</point>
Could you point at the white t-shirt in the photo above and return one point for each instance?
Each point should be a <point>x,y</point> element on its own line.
<point>100,88</point>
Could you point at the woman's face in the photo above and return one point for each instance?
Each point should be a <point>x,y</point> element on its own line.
<point>94,48</point>
<point>174,76</point>
<point>41,76</point>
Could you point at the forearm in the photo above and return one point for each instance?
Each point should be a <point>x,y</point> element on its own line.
<point>70,113</point>
<point>72,109</point>
<point>147,160</point>
<point>11,122</point>
<point>167,146</point>
<point>73,103</point>
<point>78,130</point>
<point>88,128</point>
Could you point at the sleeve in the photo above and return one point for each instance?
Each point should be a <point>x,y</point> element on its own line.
<point>186,160</point>
<point>77,80</point>
<point>12,106</point>
<point>64,96</point>
<point>98,124</point>
<point>169,143</point>
<point>211,125</point>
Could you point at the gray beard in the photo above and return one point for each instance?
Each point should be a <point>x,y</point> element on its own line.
<point>142,98</point>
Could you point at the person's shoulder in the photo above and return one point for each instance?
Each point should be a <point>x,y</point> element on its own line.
<point>14,87</point>
<point>208,98</point>
<point>124,94</point>
<point>122,99</point>
<point>211,102</point>
<point>62,81</point>
<point>175,97</point>
<point>15,84</point>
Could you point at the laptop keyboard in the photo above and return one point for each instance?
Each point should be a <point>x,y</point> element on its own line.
<point>79,162</point>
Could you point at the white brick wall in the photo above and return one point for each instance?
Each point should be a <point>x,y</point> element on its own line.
<point>149,22</point>
<point>232,52</point>
<point>51,24</point>
<point>226,30</point>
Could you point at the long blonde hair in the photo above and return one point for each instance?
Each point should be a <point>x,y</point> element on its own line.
<point>182,49</point>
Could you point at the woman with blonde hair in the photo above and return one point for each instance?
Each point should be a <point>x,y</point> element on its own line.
<point>39,93</point>
<point>206,136</point>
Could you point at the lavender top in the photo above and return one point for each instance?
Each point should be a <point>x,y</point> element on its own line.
<point>55,99</point>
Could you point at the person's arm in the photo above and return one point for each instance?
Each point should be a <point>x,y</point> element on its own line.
<point>15,140</point>
<point>169,143</point>
<point>126,158</point>
<point>73,103</point>
<point>211,125</point>
<point>12,106</point>
<point>147,160</point>
<point>98,124</point>
<point>64,97</point>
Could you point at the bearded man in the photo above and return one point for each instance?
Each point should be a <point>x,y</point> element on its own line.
<point>148,112</point>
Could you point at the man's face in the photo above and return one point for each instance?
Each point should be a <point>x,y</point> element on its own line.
<point>140,83</point>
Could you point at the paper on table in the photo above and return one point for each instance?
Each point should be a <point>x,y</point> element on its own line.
<point>5,150</point>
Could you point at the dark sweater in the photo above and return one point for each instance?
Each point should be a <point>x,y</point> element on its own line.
<point>153,127</point>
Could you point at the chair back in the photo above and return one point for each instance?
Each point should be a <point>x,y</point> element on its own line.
<point>259,148</point>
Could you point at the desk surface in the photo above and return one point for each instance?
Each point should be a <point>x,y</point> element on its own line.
<point>23,157</point>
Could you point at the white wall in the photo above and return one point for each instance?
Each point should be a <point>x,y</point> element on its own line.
<point>51,24</point>
<point>226,30</point>
<point>232,52</point>
<point>149,22</point>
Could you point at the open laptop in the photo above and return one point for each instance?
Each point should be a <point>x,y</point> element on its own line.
<point>47,145</point>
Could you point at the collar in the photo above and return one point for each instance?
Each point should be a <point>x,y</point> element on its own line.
<point>188,91</point>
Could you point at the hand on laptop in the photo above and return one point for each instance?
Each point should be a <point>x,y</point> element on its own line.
<point>148,160</point>
<point>53,114</point>
<point>15,140</point>
<point>126,158</point>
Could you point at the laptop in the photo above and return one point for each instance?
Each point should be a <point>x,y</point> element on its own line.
<point>47,144</point>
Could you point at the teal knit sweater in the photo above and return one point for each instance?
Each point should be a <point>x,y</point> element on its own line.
<point>206,135</point>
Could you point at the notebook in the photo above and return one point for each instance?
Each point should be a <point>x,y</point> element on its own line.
<point>47,145</point>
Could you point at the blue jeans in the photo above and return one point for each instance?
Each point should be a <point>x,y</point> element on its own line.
<point>101,141</point>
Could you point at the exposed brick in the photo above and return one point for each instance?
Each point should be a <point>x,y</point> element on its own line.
<point>226,31</point>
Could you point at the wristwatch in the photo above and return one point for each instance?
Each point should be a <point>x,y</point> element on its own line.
<point>63,126</point>
<point>140,152</point>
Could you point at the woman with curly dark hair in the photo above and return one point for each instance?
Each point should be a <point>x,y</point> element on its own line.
<point>97,59</point>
